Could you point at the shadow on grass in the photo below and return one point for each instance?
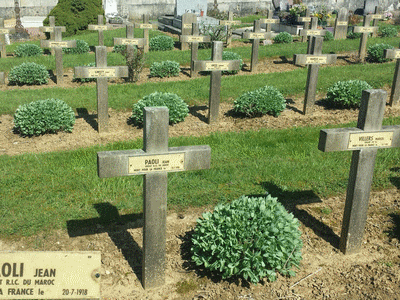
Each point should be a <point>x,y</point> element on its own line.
<point>90,119</point>
<point>283,60</point>
<point>116,226</point>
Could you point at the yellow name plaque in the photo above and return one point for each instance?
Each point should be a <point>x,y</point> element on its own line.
<point>58,44</point>
<point>48,29</point>
<point>146,26</point>
<point>342,23</point>
<point>97,27</point>
<point>229,23</point>
<point>397,54</point>
<point>4,31</point>
<point>316,60</point>
<point>187,26</point>
<point>365,29</point>
<point>129,42</point>
<point>314,32</point>
<point>156,163</point>
<point>269,21</point>
<point>217,66</point>
<point>192,39</point>
<point>372,139</point>
<point>256,35</point>
<point>305,19</point>
<point>378,17</point>
<point>50,275</point>
<point>106,72</point>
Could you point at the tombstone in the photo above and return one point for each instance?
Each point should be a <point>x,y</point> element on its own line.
<point>110,8</point>
<point>130,40</point>
<point>187,21</point>
<point>269,21</point>
<point>255,36</point>
<point>57,44</point>
<point>395,93</point>
<point>313,31</point>
<point>155,161</point>
<point>306,23</point>
<point>366,29</point>
<point>378,15</point>
<point>313,60</point>
<point>284,5</point>
<point>3,42</point>
<point>216,65</point>
<point>194,39</point>
<point>228,23</point>
<point>100,27</point>
<point>341,24</point>
<point>102,72</point>
<point>364,141</point>
<point>146,26</point>
<point>197,7</point>
<point>370,5</point>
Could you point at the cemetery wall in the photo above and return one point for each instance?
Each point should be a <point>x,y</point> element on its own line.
<point>27,8</point>
<point>354,5</point>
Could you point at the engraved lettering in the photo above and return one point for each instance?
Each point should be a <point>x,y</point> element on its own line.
<point>316,60</point>
<point>217,66</point>
<point>21,291</point>
<point>45,273</point>
<point>342,23</point>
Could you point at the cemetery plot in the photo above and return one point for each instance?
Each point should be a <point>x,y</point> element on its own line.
<point>130,40</point>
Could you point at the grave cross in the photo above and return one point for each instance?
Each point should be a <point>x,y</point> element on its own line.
<point>395,93</point>
<point>100,27</point>
<point>341,24</point>
<point>154,162</point>
<point>255,36</point>
<point>306,22</point>
<point>228,23</point>
<point>50,29</point>
<point>130,40</point>
<point>314,31</point>
<point>57,44</point>
<point>364,141</point>
<point>2,78</point>
<point>3,32</point>
<point>102,72</point>
<point>146,26</point>
<point>366,29</point>
<point>313,60</point>
<point>269,20</point>
<point>215,65</point>
<point>375,19</point>
<point>187,27</point>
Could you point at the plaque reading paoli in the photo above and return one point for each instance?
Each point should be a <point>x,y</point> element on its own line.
<point>156,163</point>
<point>372,139</point>
<point>106,72</point>
<point>217,66</point>
<point>316,60</point>
<point>129,42</point>
<point>58,44</point>
<point>48,29</point>
<point>192,39</point>
<point>342,23</point>
<point>50,275</point>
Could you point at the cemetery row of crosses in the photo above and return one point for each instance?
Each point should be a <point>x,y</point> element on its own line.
<point>156,159</point>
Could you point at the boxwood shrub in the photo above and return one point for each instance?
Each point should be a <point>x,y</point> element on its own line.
<point>251,237</point>
<point>28,50</point>
<point>28,73</point>
<point>376,53</point>
<point>161,43</point>
<point>44,116</point>
<point>283,38</point>
<point>81,47</point>
<point>388,31</point>
<point>346,94</point>
<point>328,36</point>
<point>165,69</point>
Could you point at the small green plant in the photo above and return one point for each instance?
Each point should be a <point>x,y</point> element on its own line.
<point>346,94</point>
<point>28,73</point>
<point>178,109</point>
<point>283,38</point>
<point>161,43</point>
<point>81,47</point>
<point>82,80</point>
<point>44,116</point>
<point>186,286</point>
<point>215,32</point>
<point>251,237</point>
<point>165,69</point>
<point>328,36</point>
<point>388,30</point>
<point>376,53</point>
<point>135,61</point>
<point>28,50</point>
<point>265,100</point>
<point>119,48</point>
<point>352,35</point>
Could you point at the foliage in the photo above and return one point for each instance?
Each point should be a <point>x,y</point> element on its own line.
<point>28,73</point>
<point>76,79</point>
<point>250,237</point>
<point>28,50</point>
<point>388,30</point>
<point>353,35</point>
<point>387,16</point>
<point>322,15</point>
<point>215,32</point>
<point>119,48</point>
<point>346,94</point>
<point>165,69</point>
<point>265,100</point>
<point>328,36</point>
<point>178,109</point>
<point>44,116</point>
<point>283,38</point>
<point>161,43</point>
<point>135,61</point>
<point>81,47</point>
<point>376,53</point>
<point>354,19</point>
<point>75,15</point>
<point>297,10</point>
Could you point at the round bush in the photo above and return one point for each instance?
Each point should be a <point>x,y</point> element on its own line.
<point>388,31</point>
<point>28,50</point>
<point>250,237</point>
<point>328,36</point>
<point>376,53</point>
<point>28,73</point>
<point>178,109</point>
<point>346,94</point>
<point>44,116</point>
<point>161,43</point>
<point>283,38</point>
<point>165,69</point>
<point>81,47</point>
<point>265,100</point>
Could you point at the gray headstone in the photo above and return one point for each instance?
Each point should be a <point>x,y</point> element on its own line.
<point>341,24</point>
<point>197,7</point>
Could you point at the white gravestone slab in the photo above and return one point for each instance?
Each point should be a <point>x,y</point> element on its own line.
<point>110,7</point>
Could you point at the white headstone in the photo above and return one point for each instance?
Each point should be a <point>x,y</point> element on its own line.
<point>110,7</point>
<point>197,7</point>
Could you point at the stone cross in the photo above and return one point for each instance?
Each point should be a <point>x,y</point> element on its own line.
<point>187,22</point>
<point>228,23</point>
<point>3,32</point>
<point>102,72</point>
<point>215,65</point>
<point>99,27</point>
<point>194,39</point>
<point>269,20</point>
<point>57,44</point>
<point>155,161</point>
<point>378,15</point>
<point>313,31</point>
<point>306,23</point>
<point>366,29</point>
<point>341,24</point>
<point>146,26</point>
<point>364,141</point>
<point>130,40</point>
<point>255,36</point>
<point>395,93</point>
<point>2,78</point>
<point>313,60</point>
<point>50,29</point>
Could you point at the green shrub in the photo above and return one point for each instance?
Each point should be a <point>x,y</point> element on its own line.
<point>135,62</point>
<point>250,237</point>
<point>376,53</point>
<point>28,50</point>
<point>28,73</point>
<point>81,47</point>
<point>265,100</point>
<point>352,35</point>
<point>328,36</point>
<point>44,116</point>
<point>165,69</point>
<point>346,94</point>
<point>119,48</point>
<point>161,43</point>
<point>388,31</point>
<point>283,38</point>
<point>178,109</point>
<point>82,80</point>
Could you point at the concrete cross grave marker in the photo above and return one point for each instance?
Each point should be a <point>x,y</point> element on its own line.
<point>364,141</point>
<point>313,60</point>
<point>376,17</point>
<point>313,31</point>
<point>146,26</point>
<point>255,36</point>
<point>341,24</point>
<point>102,72</point>
<point>215,65</point>
<point>194,39</point>
<point>269,20</point>
<point>228,23</point>
<point>57,44</point>
<point>3,32</point>
<point>395,93</point>
<point>187,22</point>
<point>155,161</point>
<point>366,29</point>
<point>50,29</point>
<point>306,23</point>
<point>100,27</point>
<point>130,40</point>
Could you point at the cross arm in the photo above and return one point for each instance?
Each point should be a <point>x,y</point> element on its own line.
<point>363,29</point>
<point>124,41</point>
<point>98,72</point>
<point>55,44</point>
<point>7,30</point>
<point>146,26</point>
<point>257,35</point>
<point>309,59</point>
<point>195,39</point>
<point>391,53</point>
<point>215,65</point>
<point>307,32</point>
<point>269,21</point>
<point>51,28</point>
<point>229,22</point>
<point>100,27</point>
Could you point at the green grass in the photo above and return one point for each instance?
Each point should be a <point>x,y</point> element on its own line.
<point>41,192</point>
